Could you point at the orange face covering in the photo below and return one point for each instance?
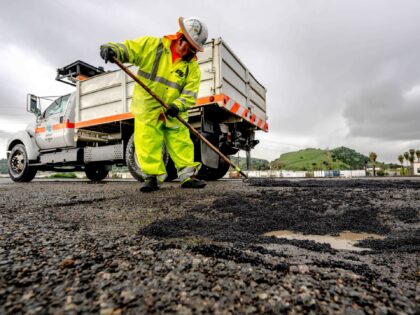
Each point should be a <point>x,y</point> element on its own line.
<point>175,55</point>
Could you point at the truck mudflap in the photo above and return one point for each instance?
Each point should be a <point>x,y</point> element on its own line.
<point>208,129</point>
<point>235,108</point>
<point>208,156</point>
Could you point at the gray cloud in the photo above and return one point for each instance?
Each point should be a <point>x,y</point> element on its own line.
<point>3,141</point>
<point>5,134</point>
<point>382,112</point>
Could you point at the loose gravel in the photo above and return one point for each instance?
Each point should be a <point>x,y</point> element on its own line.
<point>80,248</point>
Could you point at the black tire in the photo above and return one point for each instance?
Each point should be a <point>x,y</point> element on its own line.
<point>96,172</point>
<point>210,174</point>
<point>131,160</point>
<point>18,165</point>
<point>134,166</point>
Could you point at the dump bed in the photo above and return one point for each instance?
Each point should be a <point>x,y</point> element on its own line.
<point>224,81</point>
<point>222,73</point>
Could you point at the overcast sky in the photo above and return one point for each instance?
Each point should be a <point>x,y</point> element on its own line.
<point>337,73</point>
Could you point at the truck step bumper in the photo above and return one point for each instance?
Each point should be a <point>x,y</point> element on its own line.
<point>61,157</point>
<point>105,153</point>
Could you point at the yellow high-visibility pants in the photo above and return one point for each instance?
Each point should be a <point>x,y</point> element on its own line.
<point>148,141</point>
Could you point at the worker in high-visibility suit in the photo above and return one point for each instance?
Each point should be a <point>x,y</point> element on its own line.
<point>168,66</point>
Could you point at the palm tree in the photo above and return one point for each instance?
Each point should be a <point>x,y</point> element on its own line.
<point>406,155</point>
<point>418,155</point>
<point>412,152</point>
<point>401,159</point>
<point>372,157</point>
<point>411,159</point>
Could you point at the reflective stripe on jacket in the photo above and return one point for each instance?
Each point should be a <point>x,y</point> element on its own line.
<point>176,83</point>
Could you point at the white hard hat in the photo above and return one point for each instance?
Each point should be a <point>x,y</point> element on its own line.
<point>194,31</point>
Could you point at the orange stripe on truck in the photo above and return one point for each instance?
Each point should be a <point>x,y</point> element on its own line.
<point>64,125</point>
<point>222,99</point>
<point>235,108</point>
<point>210,99</point>
<point>225,100</point>
<point>245,113</point>
<point>102,120</point>
<point>67,124</point>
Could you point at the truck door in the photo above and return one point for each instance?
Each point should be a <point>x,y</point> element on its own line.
<point>52,128</point>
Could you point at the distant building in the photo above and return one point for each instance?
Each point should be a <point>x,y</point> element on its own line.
<point>299,174</point>
<point>416,169</point>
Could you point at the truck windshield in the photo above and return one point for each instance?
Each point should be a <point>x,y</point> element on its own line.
<point>58,106</point>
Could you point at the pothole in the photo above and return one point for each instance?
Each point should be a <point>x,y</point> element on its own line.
<point>345,240</point>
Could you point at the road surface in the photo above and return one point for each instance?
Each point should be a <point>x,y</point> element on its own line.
<point>80,247</point>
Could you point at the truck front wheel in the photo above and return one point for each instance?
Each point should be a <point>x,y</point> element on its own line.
<point>96,172</point>
<point>18,165</point>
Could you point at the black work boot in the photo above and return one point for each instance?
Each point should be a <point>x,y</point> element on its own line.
<point>150,184</point>
<point>193,183</point>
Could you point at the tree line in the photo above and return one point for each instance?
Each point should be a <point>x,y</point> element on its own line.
<point>409,157</point>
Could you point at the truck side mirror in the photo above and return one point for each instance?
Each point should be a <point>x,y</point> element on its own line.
<point>33,105</point>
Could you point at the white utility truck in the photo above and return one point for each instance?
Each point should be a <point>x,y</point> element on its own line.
<point>92,128</point>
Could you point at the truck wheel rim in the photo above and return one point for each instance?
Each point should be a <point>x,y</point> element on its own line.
<point>17,162</point>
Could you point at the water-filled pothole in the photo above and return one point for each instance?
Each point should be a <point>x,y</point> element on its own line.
<point>345,240</point>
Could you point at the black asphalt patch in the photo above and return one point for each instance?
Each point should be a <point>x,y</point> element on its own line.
<point>245,218</point>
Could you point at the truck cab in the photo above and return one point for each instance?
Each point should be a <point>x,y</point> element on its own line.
<point>54,127</point>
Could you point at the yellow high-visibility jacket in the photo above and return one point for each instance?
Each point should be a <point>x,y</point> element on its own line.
<point>176,83</point>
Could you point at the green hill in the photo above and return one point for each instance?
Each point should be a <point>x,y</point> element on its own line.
<point>317,159</point>
<point>349,156</point>
<point>255,165</point>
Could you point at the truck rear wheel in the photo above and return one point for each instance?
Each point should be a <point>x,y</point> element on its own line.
<point>210,174</point>
<point>96,172</point>
<point>18,165</point>
<point>134,166</point>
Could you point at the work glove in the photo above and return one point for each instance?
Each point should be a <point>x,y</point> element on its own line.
<point>107,54</point>
<point>172,110</point>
